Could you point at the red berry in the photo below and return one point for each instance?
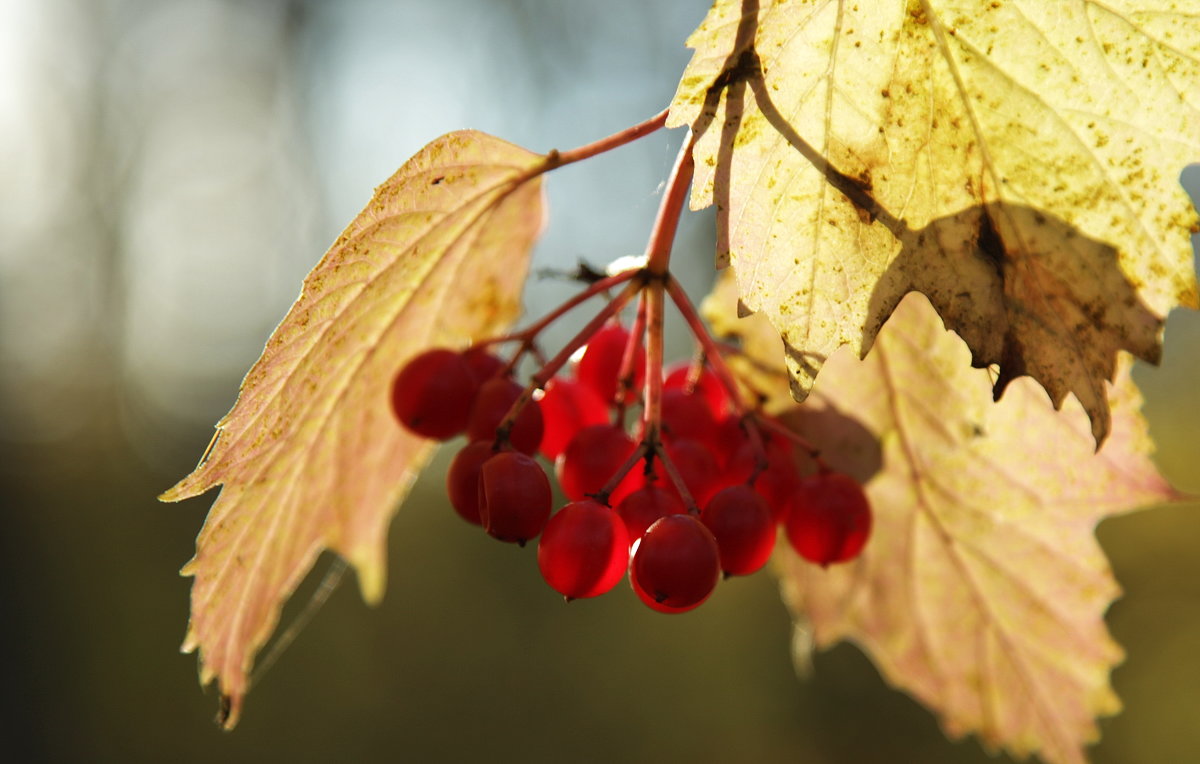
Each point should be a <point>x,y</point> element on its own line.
<point>744,529</point>
<point>675,565</point>
<point>740,462</point>
<point>687,416</point>
<point>462,479</point>
<point>432,394</point>
<point>641,508</point>
<point>730,437</point>
<point>514,497</point>
<point>495,398</point>
<point>778,483</point>
<point>707,386</point>
<point>600,365</point>
<point>584,550</point>
<point>567,407</point>
<point>484,365</point>
<point>591,459</point>
<point>830,518</point>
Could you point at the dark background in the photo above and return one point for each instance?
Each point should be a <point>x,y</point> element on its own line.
<point>168,173</point>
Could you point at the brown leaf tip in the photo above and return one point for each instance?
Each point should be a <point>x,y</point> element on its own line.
<point>225,713</point>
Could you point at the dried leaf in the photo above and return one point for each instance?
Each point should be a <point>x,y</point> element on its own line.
<point>982,590</point>
<point>310,457</point>
<point>1015,161</point>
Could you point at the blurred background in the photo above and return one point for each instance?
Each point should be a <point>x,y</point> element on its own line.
<point>169,171</point>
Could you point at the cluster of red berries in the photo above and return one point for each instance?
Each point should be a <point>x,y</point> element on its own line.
<point>700,495</point>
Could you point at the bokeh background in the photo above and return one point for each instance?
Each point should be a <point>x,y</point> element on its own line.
<point>169,170</point>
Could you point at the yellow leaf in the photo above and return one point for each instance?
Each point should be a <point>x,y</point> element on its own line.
<point>982,589</point>
<point>1016,161</point>
<point>310,456</point>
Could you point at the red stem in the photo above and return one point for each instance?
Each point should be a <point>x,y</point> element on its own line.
<point>662,236</point>
<point>625,374</point>
<point>713,355</point>
<point>777,427</point>
<point>652,415</point>
<point>604,493</point>
<point>556,159</point>
<point>547,372</point>
<point>712,352</point>
<point>531,331</point>
<point>689,501</point>
<point>694,370</point>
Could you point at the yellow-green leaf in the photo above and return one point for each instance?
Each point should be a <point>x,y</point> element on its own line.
<point>982,589</point>
<point>310,457</point>
<point>1016,161</point>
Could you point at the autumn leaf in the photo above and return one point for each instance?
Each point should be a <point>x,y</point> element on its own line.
<point>310,457</point>
<point>1017,162</point>
<point>982,590</point>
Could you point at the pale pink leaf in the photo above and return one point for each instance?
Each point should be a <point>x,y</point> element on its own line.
<point>310,457</point>
<point>982,589</point>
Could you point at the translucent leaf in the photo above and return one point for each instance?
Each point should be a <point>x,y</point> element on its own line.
<point>1015,161</point>
<point>310,457</point>
<point>982,589</point>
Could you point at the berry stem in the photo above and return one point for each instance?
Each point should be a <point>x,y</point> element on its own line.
<point>805,444</point>
<point>604,493</point>
<point>652,416</point>
<point>627,373</point>
<point>556,158</point>
<point>530,332</point>
<point>662,236</point>
<point>614,306</point>
<point>710,349</point>
<point>694,370</point>
<point>712,354</point>
<point>652,299</point>
<point>547,372</point>
<point>689,501</point>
